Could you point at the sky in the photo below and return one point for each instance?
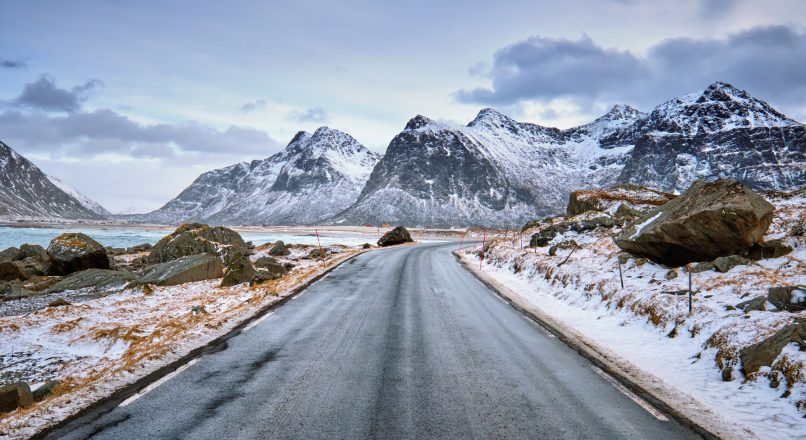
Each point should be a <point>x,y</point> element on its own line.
<point>129,102</point>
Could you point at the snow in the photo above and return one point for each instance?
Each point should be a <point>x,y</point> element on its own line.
<point>640,227</point>
<point>97,346</point>
<point>636,322</point>
<point>84,200</point>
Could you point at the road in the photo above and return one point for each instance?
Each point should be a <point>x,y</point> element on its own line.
<point>397,343</point>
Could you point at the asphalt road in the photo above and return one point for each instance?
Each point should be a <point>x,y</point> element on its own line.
<point>398,343</point>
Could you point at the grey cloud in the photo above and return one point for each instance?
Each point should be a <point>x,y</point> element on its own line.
<point>12,64</point>
<point>43,94</point>
<point>545,68</point>
<point>315,114</point>
<point>768,61</point>
<point>254,106</point>
<point>716,8</point>
<point>90,134</point>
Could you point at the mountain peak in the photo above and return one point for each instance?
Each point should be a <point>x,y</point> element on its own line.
<point>491,116</point>
<point>622,111</point>
<point>418,121</point>
<point>300,137</point>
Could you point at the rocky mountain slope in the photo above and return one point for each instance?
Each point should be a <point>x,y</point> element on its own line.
<point>316,176</point>
<point>499,172</point>
<point>26,192</point>
<point>85,201</point>
<point>721,132</point>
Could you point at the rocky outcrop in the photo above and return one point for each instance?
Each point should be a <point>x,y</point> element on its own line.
<point>16,395</point>
<point>708,221</point>
<point>789,298</point>
<point>279,249</point>
<point>240,271</point>
<point>94,280</point>
<point>73,252</point>
<point>769,249</point>
<point>765,352</point>
<point>622,197</point>
<point>545,235</point>
<point>398,235</point>
<point>271,266</point>
<point>187,269</point>
<point>197,238</point>
<point>11,270</point>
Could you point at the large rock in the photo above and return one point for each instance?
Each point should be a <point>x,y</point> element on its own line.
<point>15,395</point>
<point>33,251</point>
<point>240,270</point>
<point>279,249</point>
<point>197,238</point>
<point>74,251</point>
<point>11,270</point>
<point>94,280</point>
<point>789,298</point>
<point>187,269</point>
<point>544,235</point>
<point>765,352</point>
<point>769,249</point>
<point>708,221</point>
<point>399,235</point>
<point>271,265</point>
<point>626,196</point>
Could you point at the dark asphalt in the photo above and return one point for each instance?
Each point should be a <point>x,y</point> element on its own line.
<point>398,343</point>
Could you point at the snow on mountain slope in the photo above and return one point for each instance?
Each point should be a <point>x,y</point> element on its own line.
<point>316,176</point>
<point>721,132</point>
<point>26,192</point>
<point>85,201</point>
<point>494,171</point>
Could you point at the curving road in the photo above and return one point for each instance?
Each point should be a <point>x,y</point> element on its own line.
<point>398,343</point>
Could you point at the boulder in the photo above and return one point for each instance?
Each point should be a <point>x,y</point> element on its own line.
<point>724,264</point>
<point>765,352</point>
<point>240,270</point>
<point>94,280</point>
<point>544,236</point>
<point>187,269</point>
<point>366,246</point>
<point>708,221</point>
<point>32,267</point>
<point>197,238</point>
<point>769,249</point>
<point>73,252</point>
<point>45,390</point>
<point>10,254</point>
<point>33,251</point>
<point>672,274</point>
<point>11,290</point>
<point>758,303</point>
<point>59,302</point>
<point>279,249</point>
<point>565,244</point>
<point>398,235</point>
<point>11,270</point>
<point>702,267</point>
<point>628,196</point>
<point>317,253</point>
<point>15,395</point>
<point>789,298</point>
<point>271,265</point>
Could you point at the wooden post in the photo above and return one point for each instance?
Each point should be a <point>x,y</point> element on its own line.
<point>481,256</point>
<point>690,307</point>
<point>462,241</point>
<point>620,275</point>
<point>321,253</point>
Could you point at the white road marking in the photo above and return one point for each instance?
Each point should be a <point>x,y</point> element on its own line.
<point>164,379</point>
<point>641,402</point>
<point>254,323</point>
<point>540,326</point>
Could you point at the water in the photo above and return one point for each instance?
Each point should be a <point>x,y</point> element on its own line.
<point>126,237</point>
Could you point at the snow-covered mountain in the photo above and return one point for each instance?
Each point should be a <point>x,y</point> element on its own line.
<point>496,171</point>
<point>719,132</point>
<point>316,176</point>
<point>26,192</point>
<point>85,201</point>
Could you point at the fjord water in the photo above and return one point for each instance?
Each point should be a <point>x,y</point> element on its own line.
<point>131,236</point>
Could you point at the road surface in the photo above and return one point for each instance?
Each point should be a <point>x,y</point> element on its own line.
<point>397,343</point>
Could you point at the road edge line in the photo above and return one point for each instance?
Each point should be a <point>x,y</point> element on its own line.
<point>601,358</point>
<point>110,402</point>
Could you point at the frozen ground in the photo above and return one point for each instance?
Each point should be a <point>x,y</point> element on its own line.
<point>98,346</point>
<point>649,327</point>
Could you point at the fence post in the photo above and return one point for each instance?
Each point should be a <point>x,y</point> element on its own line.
<point>690,307</point>
<point>481,256</point>
<point>321,253</point>
<point>620,275</point>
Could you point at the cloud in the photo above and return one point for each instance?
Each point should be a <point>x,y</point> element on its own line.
<point>710,9</point>
<point>12,64</point>
<point>315,114</point>
<point>545,68</point>
<point>92,134</point>
<point>43,94</point>
<point>254,106</point>
<point>768,61</point>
